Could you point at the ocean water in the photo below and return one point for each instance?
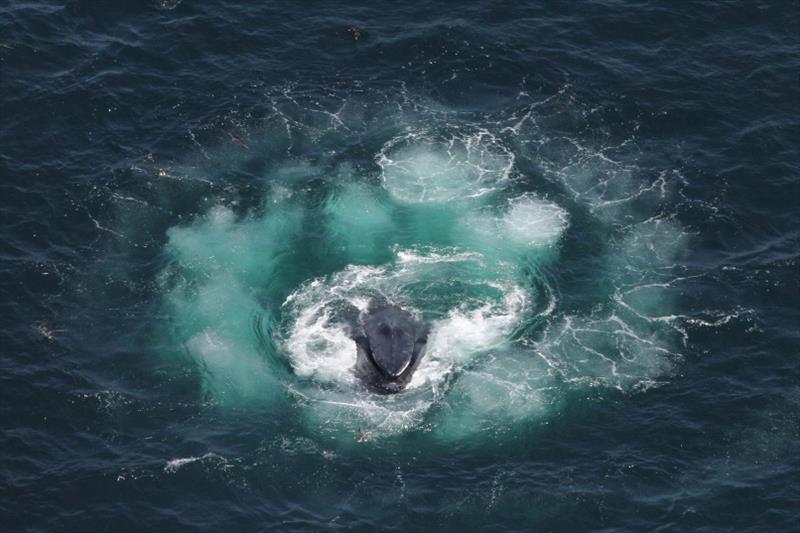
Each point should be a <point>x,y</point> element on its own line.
<point>595,206</point>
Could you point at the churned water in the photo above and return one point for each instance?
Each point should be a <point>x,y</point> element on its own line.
<point>594,207</point>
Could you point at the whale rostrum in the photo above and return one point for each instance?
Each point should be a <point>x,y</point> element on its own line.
<point>390,342</point>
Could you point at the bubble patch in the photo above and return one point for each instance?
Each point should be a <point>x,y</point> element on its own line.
<point>426,168</point>
<point>534,283</point>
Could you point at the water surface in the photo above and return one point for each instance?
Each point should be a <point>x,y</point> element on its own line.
<point>593,206</point>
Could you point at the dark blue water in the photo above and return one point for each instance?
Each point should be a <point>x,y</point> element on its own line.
<point>595,205</point>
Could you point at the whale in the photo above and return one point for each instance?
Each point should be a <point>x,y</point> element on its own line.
<point>390,343</point>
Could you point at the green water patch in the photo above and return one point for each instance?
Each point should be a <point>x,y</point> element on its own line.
<point>222,269</point>
<point>360,221</point>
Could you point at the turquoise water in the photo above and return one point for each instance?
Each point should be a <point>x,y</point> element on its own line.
<point>593,207</point>
<point>445,227</point>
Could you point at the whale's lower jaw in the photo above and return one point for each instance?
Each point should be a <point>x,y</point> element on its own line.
<point>377,381</point>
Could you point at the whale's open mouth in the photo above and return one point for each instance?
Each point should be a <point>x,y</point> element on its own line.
<point>390,343</point>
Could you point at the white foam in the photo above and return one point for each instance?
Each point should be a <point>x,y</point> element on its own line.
<point>416,256</point>
<point>468,332</point>
<point>173,465</point>
<point>422,168</point>
<point>531,221</point>
<point>319,347</point>
<point>526,224</point>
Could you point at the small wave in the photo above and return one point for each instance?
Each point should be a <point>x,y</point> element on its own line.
<point>173,465</point>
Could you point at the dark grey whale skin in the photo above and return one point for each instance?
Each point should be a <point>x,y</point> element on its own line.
<point>390,343</point>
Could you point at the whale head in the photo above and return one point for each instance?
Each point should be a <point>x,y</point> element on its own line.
<point>389,346</point>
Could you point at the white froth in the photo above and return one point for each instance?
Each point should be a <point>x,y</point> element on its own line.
<point>173,465</point>
<point>412,257</point>
<point>319,347</point>
<point>527,223</point>
<point>531,221</point>
<point>466,333</point>
<point>419,169</point>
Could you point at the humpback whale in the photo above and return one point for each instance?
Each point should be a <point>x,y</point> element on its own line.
<point>390,343</point>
